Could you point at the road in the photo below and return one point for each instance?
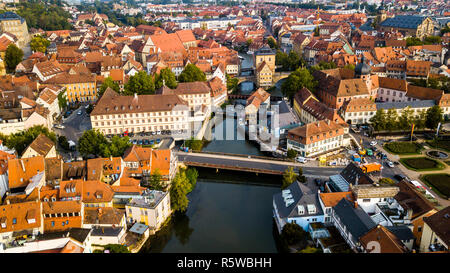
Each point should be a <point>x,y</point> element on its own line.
<point>75,125</point>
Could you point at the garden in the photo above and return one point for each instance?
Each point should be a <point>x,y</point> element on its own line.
<point>440,144</point>
<point>422,164</point>
<point>440,183</point>
<point>403,148</point>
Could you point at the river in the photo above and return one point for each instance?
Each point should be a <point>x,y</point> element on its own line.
<point>221,217</point>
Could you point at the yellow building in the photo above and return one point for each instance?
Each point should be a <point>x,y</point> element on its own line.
<point>152,209</point>
<point>80,87</point>
<point>13,23</point>
<point>264,66</point>
<point>409,25</point>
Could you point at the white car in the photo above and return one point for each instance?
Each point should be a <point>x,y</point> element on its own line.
<point>86,107</point>
<point>59,126</point>
<point>390,164</point>
<point>373,143</point>
<point>79,113</point>
<point>301,159</point>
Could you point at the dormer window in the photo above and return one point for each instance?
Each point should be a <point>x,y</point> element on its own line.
<point>301,209</point>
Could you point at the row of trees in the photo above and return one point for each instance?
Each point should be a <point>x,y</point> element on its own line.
<point>20,140</point>
<point>93,142</point>
<point>390,120</point>
<point>288,62</point>
<point>44,16</point>
<point>144,84</point>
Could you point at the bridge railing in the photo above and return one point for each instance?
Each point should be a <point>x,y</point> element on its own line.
<point>246,156</point>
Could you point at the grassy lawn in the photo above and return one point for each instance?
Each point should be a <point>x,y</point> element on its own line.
<point>440,144</point>
<point>403,148</point>
<point>422,164</point>
<point>440,183</point>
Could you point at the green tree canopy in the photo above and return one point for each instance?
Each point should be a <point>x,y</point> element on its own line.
<point>155,181</point>
<point>13,57</point>
<point>433,117</point>
<point>108,82</point>
<point>378,121</point>
<point>289,177</point>
<point>192,175</point>
<point>178,192</point>
<point>167,77</point>
<point>39,43</point>
<point>272,43</point>
<point>293,233</point>
<point>141,83</point>
<point>291,153</point>
<point>90,143</point>
<point>297,80</point>
<point>21,140</point>
<point>191,73</point>
<point>116,147</point>
<point>391,119</point>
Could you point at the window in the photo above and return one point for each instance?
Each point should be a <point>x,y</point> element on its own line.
<point>366,200</point>
<point>14,221</point>
<point>53,223</point>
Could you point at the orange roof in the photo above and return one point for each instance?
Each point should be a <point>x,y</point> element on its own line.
<point>61,207</point>
<point>22,170</point>
<point>71,247</point>
<point>96,192</point>
<point>330,199</point>
<point>70,189</point>
<point>20,216</point>
<point>4,158</point>
<point>161,161</point>
<point>388,242</point>
<point>117,75</point>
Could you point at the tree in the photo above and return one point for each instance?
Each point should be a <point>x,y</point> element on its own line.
<point>300,177</point>
<point>406,118</point>
<point>272,43</point>
<point>391,119</point>
<point>297,80</point>
<point>155,181</point>
<point>379,120</point>
<point>21,140</point>
<point>116,147</point>
<point>350,66</point>
<point>432,40</point>
<point>62,100</point>
<point>293,233</point>
<point>39,43</point>
<point>322,66</point>
<point>232,83</point>
<point>191,73</point>
<point>291,153</point>
<point>90,143</point>
<point>419,119</point>
<point>289,177</point>
<point>192,175</point>
<point>194,144</point>
<point>141,83</point>
<point>249,42</point>
<point>413,41</point>
<point>63,143</point>
<point>13,57</point>
<point>108,82</point>
<point>178,192</point>
<point>433,117</point>
<point>386,181</point>
<point>166,77</point>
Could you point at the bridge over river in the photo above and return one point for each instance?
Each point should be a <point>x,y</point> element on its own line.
<point>254,164</point>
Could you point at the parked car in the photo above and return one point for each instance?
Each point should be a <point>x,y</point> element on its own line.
<point>134,141</point>
<point>59,126</point>
<point>79,112</point>
<point>373,143</point>
<point>301,159</point>
<point>390,164</point>
<point>158,132</point>
<point>86,107</point>
<point>140,142</point>
<point>146,142</point>
<point>399,177</point>
<point>152,142</point>
<point>158,140</point>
